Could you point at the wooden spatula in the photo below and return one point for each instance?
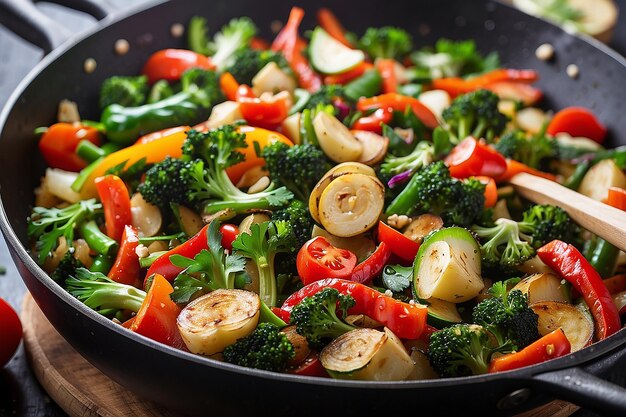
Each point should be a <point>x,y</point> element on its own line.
<point>605,221</point>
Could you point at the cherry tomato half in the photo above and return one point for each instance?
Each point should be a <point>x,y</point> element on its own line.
<point>58,145</point>
<point>397,243</point>
<point>11,331</point>
<point>229,234</point>
<point>472,157</point>
<point>318,259</point>
<point>169,64</point>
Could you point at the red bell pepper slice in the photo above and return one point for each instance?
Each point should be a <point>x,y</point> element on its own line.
<point>550,346</point>
<point>115,200</point>
<point>126,268</point>
<point>405,320</point>
<point>572,266</point>
<point>288,42</point>
<point>577,121</point>
<point>514,167</point>
<point>397,243</point>
<point>169,64</point>
<point>163,266</point>
<point>398,102</point>
<point>616,198</point>
<point>456,86</point>
<point>156,319</point>
<point>387,70</point>
<point>516,91</point>
<point>491,191</point>
<point>58,145</point>
<point>346,77</point>
<point>472,158</point>
<point>374,122</point>
<point>259,44</point>
<point>311,366</point>
<point>266,114</point>
<point>329,22</point>
<point>370,268</point>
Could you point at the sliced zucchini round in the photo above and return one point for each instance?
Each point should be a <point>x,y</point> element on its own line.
<point>351,204</point>
<point>576,325</point>
<point>330,56</point>
<point>442,313</point>
<point>447,266</point>
<point>367,354</point>
<point>218,319</point>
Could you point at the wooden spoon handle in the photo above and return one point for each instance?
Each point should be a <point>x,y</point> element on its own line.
<point>601,219</point>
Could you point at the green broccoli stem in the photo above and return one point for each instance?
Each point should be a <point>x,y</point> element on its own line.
<point>105,295</point>
<point>573,181</point>
<point>96,239</point>
<point>266,315</point>
<point>406,200</point>
<point>267,280</point>
<point>149,260</point>
<point>236,206</point>
<point>101,263</point>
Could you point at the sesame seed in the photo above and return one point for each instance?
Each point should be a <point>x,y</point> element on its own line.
<point>177,30</point>
<point>89,66</point>
<point>121,46</point>
<point>572,71</point>
<point>545,52</point>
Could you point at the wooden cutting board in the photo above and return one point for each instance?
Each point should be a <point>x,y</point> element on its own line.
<point>81,390</point>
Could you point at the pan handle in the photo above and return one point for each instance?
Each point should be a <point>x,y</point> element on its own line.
<point>584,389</point>
<point>28,22</point>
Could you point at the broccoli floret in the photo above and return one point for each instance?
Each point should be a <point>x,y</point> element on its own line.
<point>327,95</point>
<point>202,84</point>
<point>421,156</point>
<point>504,247</point>
<point>265,348</point>
<point>474,114</point>
<point>126,91</point>
<point>299,219</point>
<point>297,167</point>
<point>67,267</point>
<point>164,183</point>
<point>248,62</point>
<point>210,154</point>
<point>508,317</point>
<point>160,91</point>
<point>386,42</point>
<point>531,151</point>
<point>460,350</point>
<point>261,245</point>
<point>233,36</point>
<point>198,37</point>
<point>433,190</point>
<point>321,317</point>
<point>546,223</point>
<point>47,225</point>
<point>102,294</point>
<point>451,59</point>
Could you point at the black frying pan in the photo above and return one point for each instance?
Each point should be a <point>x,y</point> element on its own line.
<point>197,385</point>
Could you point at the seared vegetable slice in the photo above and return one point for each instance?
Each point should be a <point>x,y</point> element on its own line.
<point>351,204</point>
<point>335,139</point>
<point>367,354</point>
<point>543,287</point>
<point>218,319</point>
<point>447,266</point>
<point>576,325</point>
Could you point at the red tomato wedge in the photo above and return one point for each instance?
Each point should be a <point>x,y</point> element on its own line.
<point>115,200</point>
<point>229,234</point>
<point>318,259</point>
<point>398,102</point>
<point>169,64</point>
<point>397,243</point>
<point>472,158</point>
<point>578,122</point>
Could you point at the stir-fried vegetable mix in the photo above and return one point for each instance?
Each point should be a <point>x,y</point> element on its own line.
<point>332,205</point>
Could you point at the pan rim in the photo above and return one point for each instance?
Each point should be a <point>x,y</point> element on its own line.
<point>582,357</point>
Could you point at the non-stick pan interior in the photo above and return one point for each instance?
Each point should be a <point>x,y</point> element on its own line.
<point>493,26</point>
